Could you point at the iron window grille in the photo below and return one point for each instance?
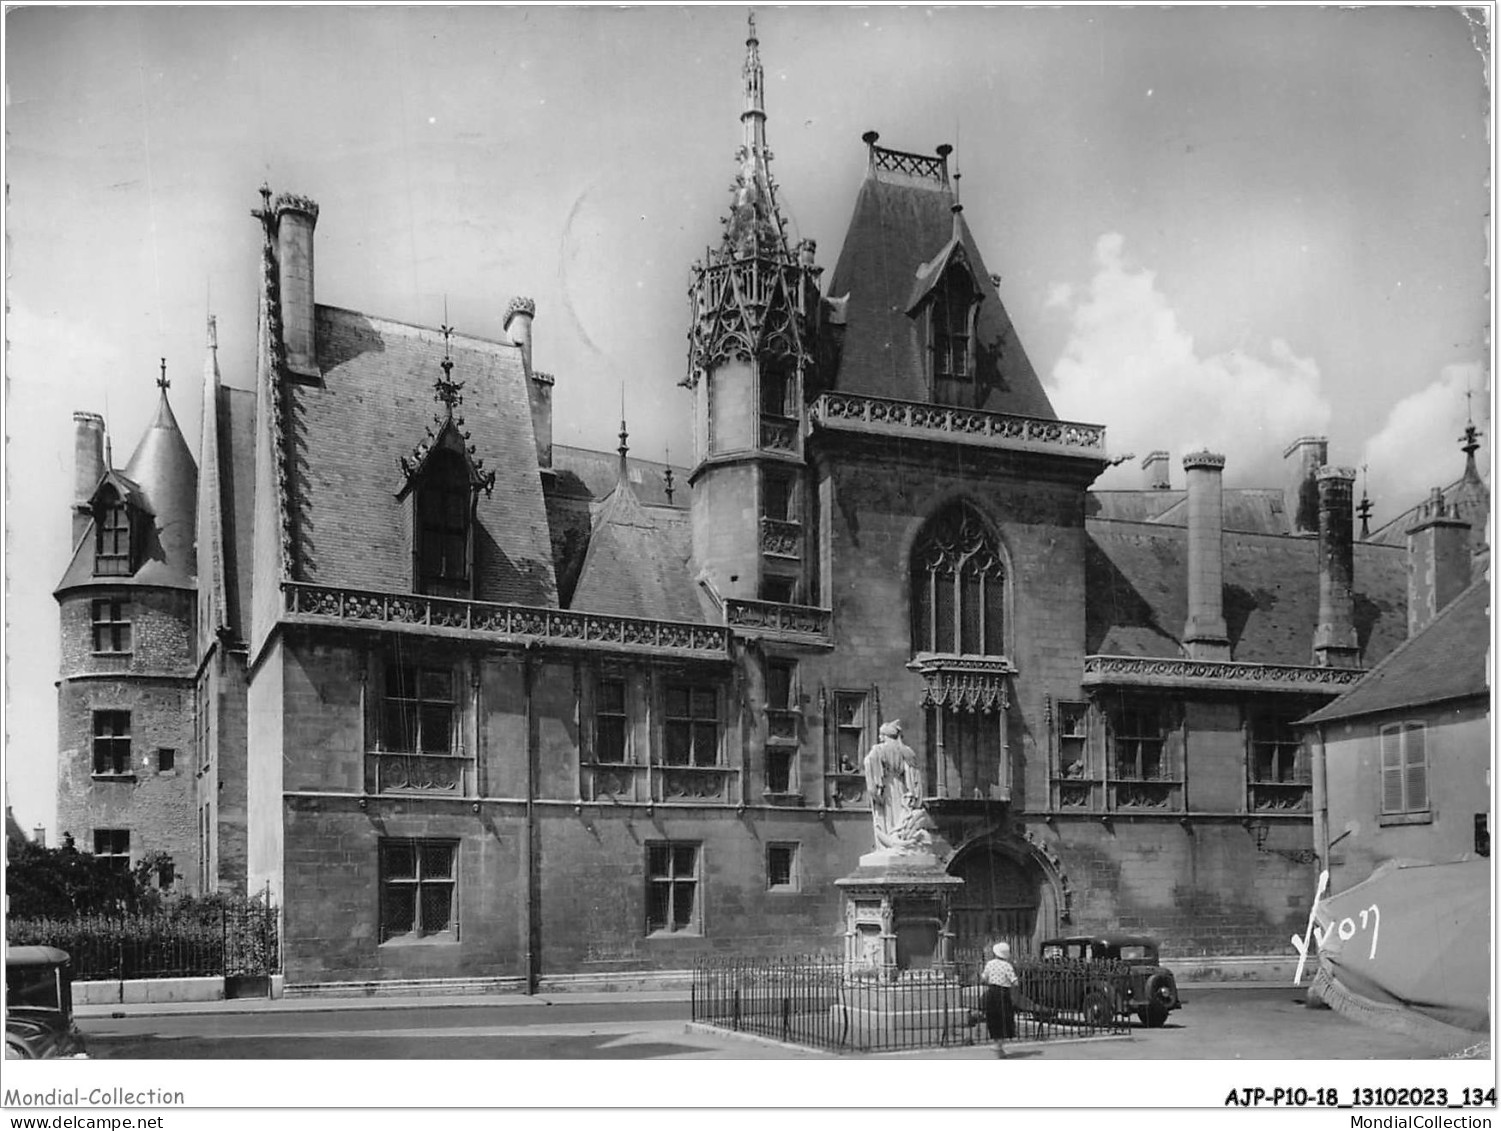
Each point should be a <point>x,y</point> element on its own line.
<point>111,625</point>
<point>1404,768</point>
<point>418,890</point>
<point>113,847</point>
<point>112,742</point>
<point>418,710</point>
<point>691,725</point>
<point>672,876</point>
<point>958,587</point>
<point>610,723</point>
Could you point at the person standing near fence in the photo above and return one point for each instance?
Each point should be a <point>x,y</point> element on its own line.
<point>999,977</point>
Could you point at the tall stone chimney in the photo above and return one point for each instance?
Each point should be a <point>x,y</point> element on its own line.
<point>1158,470</point>
<point>1204,633</point>
<point>1438,561</point>
<point>1300,493</point>
<point>296,217</point>
<point>88,467</point>
<point>518,325</point>
<point>1334,641</point>
<point>540,387</point>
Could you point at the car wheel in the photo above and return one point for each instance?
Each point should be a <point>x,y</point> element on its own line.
<point>16,1050</point>
<point>1097,1008</point>
<point>1153,1016</point>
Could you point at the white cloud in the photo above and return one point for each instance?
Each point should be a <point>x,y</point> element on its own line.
<point>1128,364</point>
<point>1060,294</point>
<point>1418,446</point>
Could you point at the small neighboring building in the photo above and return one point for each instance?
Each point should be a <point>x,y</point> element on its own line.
<point>1402,759</point>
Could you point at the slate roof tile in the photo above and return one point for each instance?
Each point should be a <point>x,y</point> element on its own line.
<point>1446,660</point>
<point>373,406</point>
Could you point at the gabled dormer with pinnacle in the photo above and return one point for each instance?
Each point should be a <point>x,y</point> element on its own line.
<point>751,351</point>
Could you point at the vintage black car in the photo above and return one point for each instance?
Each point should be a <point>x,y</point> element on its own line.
<point>1126,979</point>
<point>39,1005</point>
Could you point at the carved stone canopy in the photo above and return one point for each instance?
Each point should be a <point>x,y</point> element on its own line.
<point>964,683</point>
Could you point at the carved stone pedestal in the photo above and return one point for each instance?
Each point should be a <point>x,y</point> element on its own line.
<point>901,987</point>
<point>896,915</point>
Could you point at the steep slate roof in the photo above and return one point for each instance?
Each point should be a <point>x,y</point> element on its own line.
<point>1468,494</point>
<point>374,406</point>
<point>162,477</point>
<point>638,562</point>
<point>1446,660</point>
<point>583,473</point>
<point>1136,578</point>
<point>900,223</point>
<point>1254,510</point>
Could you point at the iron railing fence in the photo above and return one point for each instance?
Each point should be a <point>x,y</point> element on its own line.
<point>231,940</point>
<point>814,1000</point>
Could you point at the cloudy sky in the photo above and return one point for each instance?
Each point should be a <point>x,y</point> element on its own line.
<point>1222,227</point>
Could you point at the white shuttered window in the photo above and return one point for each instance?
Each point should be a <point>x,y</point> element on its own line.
<point>1404,768</point>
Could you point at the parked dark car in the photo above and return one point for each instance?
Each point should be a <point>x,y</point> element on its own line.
<point>1128,979</point>
<point>39,1005</point>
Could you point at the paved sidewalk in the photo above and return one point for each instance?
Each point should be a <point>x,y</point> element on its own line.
<point>332,1004</point>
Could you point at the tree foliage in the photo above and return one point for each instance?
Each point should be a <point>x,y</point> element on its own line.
<point>59,883</point>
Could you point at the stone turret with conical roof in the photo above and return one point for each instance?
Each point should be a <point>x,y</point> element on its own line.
<point>127,605</point>
<point>750,356</point>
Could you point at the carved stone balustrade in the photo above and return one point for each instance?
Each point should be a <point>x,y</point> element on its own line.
<point>846,412</point>
<point>323,604</point>
<point>798,624</point>
<point>1173,672</point>
<point>1281,797</point>
<point>780,434</point>
<point>428,775</point>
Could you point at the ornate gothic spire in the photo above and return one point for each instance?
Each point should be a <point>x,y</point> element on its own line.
<point>753,293</point>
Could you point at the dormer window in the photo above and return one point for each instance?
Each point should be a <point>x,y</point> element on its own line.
<point>112,542</point>
<point>442,519</point>
<point>951,333</point>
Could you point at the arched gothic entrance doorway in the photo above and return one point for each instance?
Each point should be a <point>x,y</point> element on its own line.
<point>1001,899</point>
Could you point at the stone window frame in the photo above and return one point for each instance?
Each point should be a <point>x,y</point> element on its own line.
<point>957,542</point>
<point>1135,790</point>
<point>1396,776</point>
<point>111,748</point>
<point>859,728</point>
<point>1281,745</point>
<point>110,624</point>
<point>113,847</point>
<point>388,728</point>
<point>606,710</point>
<point>693,722</point>
<point>166,760</point>
<point>783,695</point>
<point>421,883</point>
<point>783,859</point>
<point>674,872</point>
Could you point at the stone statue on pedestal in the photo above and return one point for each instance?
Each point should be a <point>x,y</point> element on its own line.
<point>893,780</point>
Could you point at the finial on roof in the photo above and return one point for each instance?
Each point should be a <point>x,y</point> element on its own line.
<point>445,388</point>
<point>667,473</point>
<point>161,382</point>
<point>750,19</point>
<point>213,332</point>
<point>1470,441</point>
<point>1365,507</point>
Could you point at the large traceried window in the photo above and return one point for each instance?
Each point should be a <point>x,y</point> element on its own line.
<point>442,521</point>
<point>418,709</point>
<point>418,881</point>
<point>958,587</point>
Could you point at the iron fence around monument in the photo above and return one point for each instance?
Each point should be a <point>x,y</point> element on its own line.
<point>817,1001</point>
